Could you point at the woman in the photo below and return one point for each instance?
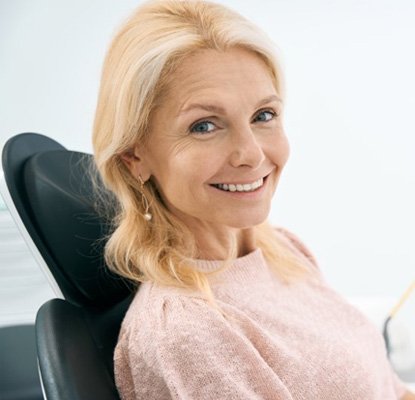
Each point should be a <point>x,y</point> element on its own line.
<point>189,137</point>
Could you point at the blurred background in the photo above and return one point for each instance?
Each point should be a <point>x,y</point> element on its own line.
<point>348,190</point>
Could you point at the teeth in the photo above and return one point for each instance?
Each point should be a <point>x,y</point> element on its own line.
<point>247,187</point>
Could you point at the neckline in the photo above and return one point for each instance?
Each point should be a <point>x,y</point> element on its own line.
<point>255,257</point>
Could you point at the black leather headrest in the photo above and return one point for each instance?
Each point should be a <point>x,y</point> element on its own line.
<point>62,204</point>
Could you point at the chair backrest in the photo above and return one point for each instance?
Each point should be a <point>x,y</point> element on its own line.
<point>53,191</point>
<point>54,195</point>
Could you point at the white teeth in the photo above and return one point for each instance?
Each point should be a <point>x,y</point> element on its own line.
<point>247,187</point>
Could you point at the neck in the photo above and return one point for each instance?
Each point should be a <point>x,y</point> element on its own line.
<point>222,244</point>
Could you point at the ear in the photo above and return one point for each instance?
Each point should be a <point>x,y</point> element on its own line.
<point>133,160</point>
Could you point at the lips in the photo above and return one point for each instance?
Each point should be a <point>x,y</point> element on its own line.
<point>240,187</point>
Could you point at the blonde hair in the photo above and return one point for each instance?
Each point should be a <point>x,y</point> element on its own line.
<point>136,72</point>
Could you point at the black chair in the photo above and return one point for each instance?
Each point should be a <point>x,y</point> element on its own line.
<point>54,196</point>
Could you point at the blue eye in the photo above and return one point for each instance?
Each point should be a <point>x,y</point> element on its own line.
<point>265,116</point>
<point>202,127</point>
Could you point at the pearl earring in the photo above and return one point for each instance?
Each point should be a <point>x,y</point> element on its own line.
<point>147,214</point>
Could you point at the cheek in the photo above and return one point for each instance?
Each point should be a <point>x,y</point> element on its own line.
<point>183,175</point>
<point>200,161</point>
<point>279,150</point>
<point>286,149</point>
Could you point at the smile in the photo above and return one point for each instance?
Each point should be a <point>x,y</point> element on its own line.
<point>239,187</point>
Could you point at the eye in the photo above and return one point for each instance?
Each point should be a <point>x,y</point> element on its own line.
<point>202,127</point>
<point>265,116</point>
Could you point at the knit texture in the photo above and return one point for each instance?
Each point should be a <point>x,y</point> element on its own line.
<point>277,341</point>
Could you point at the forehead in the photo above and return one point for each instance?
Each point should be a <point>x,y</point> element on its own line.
<point>209,73</point>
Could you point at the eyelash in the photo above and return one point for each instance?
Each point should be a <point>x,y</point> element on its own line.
<point>192,128</point>
<point>267,110</point>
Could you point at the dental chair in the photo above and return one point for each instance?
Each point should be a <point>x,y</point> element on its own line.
<point>51,195</point>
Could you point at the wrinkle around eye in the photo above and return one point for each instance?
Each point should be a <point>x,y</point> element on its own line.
<point>180,146</point>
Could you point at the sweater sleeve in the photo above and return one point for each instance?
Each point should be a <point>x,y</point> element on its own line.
<point>191,352</point>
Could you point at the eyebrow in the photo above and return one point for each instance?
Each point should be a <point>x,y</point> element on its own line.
<point>221,110</point>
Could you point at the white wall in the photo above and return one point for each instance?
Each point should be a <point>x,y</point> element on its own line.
<point>348,190</point>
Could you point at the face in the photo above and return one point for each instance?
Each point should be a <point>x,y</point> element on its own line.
<point>217,146</point>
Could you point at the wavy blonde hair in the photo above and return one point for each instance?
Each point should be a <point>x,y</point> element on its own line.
<point>137,70</point>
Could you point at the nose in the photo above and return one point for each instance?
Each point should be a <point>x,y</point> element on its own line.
<point>246,150</point>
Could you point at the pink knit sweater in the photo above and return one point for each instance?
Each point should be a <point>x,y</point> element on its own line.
<point>278,341</point>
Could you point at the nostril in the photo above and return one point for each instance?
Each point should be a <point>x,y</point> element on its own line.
<point>251,155</point>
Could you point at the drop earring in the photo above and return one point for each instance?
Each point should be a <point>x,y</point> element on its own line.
<point>147,214</point>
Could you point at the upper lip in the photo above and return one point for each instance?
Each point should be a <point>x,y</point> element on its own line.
<point>242,182</point>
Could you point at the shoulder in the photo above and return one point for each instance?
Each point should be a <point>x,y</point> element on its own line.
<point>162,315</point>
<point>297,245</point>
<point>174,342</point>
<point>162,332</point>
<point>158,324</point>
